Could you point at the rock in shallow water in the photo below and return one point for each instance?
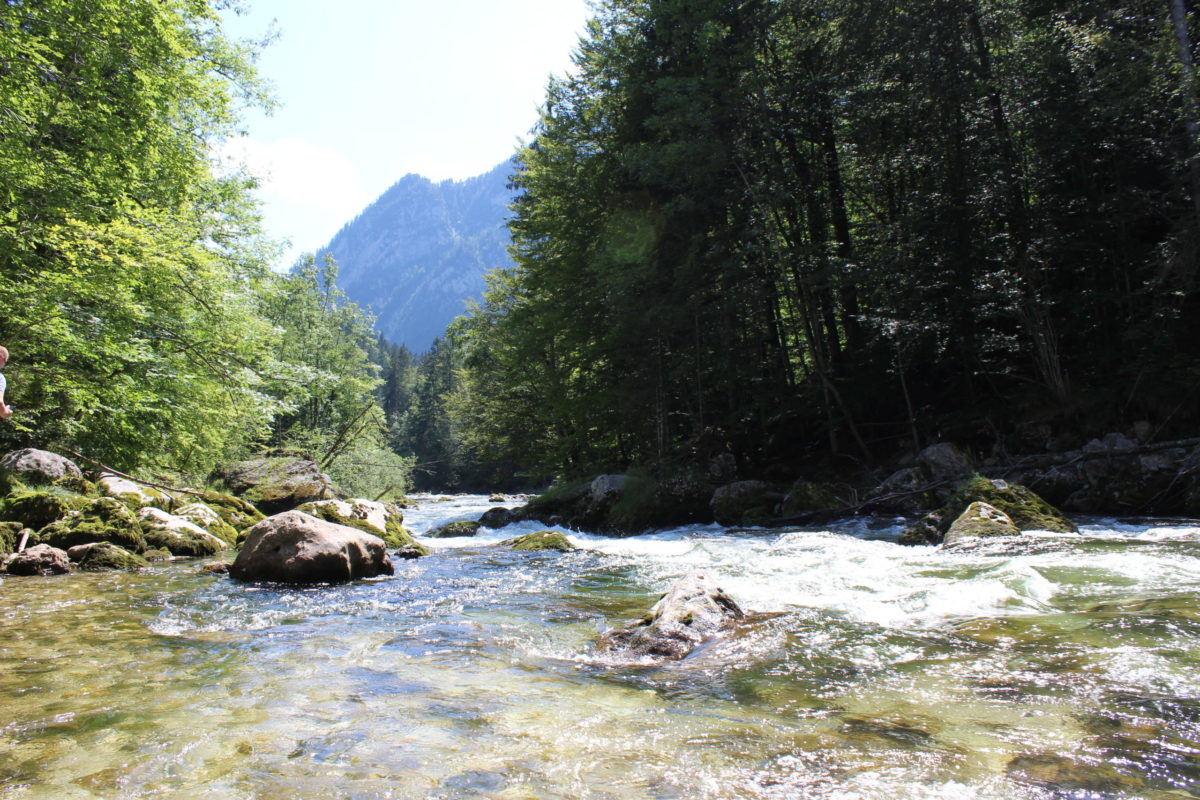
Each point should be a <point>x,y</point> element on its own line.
<point>694,610</point>
<point>294,547</point>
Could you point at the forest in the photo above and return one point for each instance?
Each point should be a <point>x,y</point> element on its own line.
<point>147,331</point>
<point>819,235</point>
<point>811,235</point>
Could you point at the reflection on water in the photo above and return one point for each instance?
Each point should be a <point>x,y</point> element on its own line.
<point>1064,668</point>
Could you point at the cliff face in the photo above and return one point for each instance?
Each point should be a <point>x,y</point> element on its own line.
<point>418,252</point>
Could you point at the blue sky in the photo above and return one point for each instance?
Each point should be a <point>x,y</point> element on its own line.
<point>372,90</point>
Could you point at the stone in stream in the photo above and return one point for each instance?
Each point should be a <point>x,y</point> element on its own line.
<point>381,519</point>
<point>539,541</point>
<point>495,518</point>
<point>455,529</point>
<point>980,520</point>
<point>41,559</point>
<point>294,547</point>
<point>102,556</point>
<point>694,610</point>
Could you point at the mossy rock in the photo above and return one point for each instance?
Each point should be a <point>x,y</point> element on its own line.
<point>342,512</point>
<point>1027,511</point>
<point>455,529</point>
<point>234,511</point>
<point>980,521</point>
<point>134,495</point>
<point>104,556</point>
<point>157,554</point>
<point>10,481</point>
<point>178,535</point>
<point>37,508</point>
<point>540,540</point>
<point>204,516</point>
<point>10,535</point>
<point>105,519</point>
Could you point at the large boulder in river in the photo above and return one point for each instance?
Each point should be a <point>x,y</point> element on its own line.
<point>381,519</point>
<point>294,547</point>
<point>41,559</point>
<point>1027,511</point>
<point>980,520</point>
<point>692,611</point>
<point>540,541</point>
<point>178,535</point>
<point>277,481</point>
<point>495,518</point>
<point>41,466</point>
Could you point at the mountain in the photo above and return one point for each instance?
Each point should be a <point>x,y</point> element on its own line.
<point>418,252</point>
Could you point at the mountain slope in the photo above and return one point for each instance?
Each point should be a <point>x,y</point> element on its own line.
<point>418,252</point>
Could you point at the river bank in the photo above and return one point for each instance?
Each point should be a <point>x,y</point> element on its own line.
<point>876,671</point>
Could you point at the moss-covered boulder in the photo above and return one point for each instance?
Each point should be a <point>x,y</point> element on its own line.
<point>104,556</point>
<point>104,519</point>
<point>455,529</point>
<point>745,503</point>
<point>277,481</point>
<point>980,520</point>
<point>234,511</point>
<point>10,534</point>
<point>37,508</point>
<point>204,516</point>
<point>540,540</point>
<point>134,495</point>
<point>1026,510</point>
<point>692,611</point>
<point>157,554</point>
<point>381,519</point>
<point>176,534</point>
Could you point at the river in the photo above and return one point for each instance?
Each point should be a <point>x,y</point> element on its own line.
<point>1054,667</point>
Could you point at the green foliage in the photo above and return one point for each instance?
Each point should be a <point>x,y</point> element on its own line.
<point>809,230</point>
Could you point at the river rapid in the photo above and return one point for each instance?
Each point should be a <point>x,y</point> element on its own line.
<point>1067,666</point>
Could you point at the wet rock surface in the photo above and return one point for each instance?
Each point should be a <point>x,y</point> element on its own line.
<point>692,611</point>
<point>294,547</point>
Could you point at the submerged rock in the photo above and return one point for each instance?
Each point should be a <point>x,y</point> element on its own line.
<point>41,559</point>
<point>694,610</point>
<point>979,520</point>
<point>294,547</point>
<point>181,537</point>
<point>102,556</point>
<point>540,540</point>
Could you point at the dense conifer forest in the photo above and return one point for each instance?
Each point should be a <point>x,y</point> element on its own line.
<point>819,234</point>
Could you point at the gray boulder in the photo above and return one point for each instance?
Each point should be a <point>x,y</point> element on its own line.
<point>496,517</point>
<point>41,466</point>
<point>606,487</point>
<point>694,610</point>
<point>294,547</point>
<point>178,535</point>
<point>41,559</point>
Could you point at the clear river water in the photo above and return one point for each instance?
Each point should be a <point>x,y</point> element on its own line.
<point>1063,666</point>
